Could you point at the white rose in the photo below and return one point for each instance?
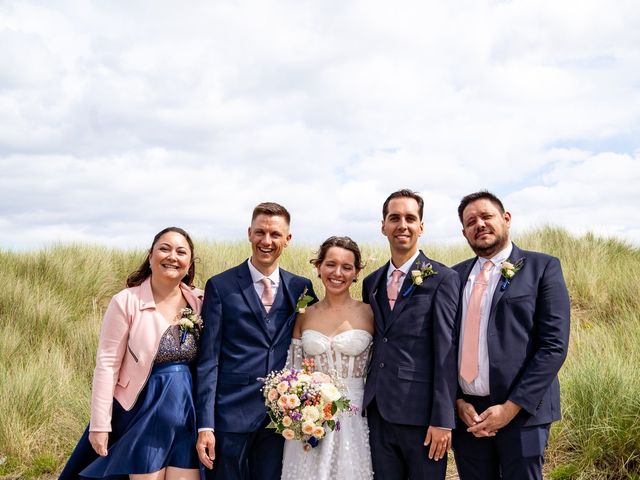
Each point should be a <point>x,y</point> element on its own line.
<point>329,392</point>
<point>509,273</point>
<point>304,378</point>
<point>310,414</point>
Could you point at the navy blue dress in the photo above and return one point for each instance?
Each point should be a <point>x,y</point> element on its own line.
<point>159,431</point>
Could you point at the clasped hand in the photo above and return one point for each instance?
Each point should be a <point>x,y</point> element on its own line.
<point>487,423</point>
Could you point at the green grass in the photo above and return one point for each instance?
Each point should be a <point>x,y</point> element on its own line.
<point>52,302</point>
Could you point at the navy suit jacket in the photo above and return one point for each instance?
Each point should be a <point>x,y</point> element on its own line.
<point>528,336</point>
<point>413,371</point>
<point>237,349</point>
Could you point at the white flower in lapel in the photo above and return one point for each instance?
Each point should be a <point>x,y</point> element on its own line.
<point>508,271</point>
<point>417,276</point>
<point>303,301</point>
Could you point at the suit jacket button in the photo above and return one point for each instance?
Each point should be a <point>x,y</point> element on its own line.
<point>385,340</point>
<point>381,364</point>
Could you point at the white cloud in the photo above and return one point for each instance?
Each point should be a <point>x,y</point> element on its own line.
<point>119,119</point>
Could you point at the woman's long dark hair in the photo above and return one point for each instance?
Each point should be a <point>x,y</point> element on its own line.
<point>138,276</point>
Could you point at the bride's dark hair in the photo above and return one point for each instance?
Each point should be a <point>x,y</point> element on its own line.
<point>341,242</point>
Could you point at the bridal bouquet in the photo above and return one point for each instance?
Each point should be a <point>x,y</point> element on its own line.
<point>304,404</point>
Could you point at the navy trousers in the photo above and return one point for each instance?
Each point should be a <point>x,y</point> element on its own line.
<point>247,456</point>
<point>514,453</point>
<point>398,451</point>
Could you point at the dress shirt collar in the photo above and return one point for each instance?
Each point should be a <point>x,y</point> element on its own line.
<point>256,276</point>
<point>499,257</point>
<point>405,267</point>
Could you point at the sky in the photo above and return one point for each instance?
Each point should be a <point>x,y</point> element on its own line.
<point>120,118</point>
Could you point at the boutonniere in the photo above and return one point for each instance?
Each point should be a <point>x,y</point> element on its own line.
<point>303,301</point>
<point>189,321</point>
<point>417,276</point>
<point>508,270</point>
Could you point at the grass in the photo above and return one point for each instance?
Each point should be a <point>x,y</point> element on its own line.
<point>52,302</point>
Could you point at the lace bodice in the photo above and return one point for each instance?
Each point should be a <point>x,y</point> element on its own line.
<point>344,454</point>
<point>346,353</point>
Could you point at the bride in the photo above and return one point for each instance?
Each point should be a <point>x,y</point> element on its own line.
<point>337,333</point>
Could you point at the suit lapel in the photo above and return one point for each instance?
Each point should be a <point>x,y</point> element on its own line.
<point>286,285</point>
<point>250,296</point>
<point>464,272</point>
<point>286,280</point>
<point>378,315</point>
<point>516,254</point>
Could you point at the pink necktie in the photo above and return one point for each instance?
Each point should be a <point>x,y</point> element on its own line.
<point>267,294</point>
<point>469,361</point>
<point>394,286</point>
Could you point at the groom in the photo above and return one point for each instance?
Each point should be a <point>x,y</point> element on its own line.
<point>411,385</point>
<point>248,314</point>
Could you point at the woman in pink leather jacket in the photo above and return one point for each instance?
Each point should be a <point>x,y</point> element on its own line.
<point>142,413</point>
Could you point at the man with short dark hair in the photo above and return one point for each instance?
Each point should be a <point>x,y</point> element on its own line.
<point>513,324</point>
<point>248,314</point>
<point>410,389</point>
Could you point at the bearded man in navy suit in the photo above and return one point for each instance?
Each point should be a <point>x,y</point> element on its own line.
<point>510,349</point>
<point>410,390</point>
<point>248,314</point>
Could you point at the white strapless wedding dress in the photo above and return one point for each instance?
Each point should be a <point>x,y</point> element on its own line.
<point>344,454</point>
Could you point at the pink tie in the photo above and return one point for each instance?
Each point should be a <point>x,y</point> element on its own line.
<point>469,361</point>
<point>267,294</point>
<point>394,286</point>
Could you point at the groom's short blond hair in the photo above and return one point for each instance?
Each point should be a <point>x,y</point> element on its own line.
<point>271,209</point>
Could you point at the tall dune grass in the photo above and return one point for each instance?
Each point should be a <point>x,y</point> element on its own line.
<point>52,302</point>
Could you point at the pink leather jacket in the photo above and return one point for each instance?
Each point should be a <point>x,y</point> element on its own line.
<point>129,341</point>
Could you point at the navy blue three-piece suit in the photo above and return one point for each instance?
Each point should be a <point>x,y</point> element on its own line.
<point>241,343</point>
<point>412,378</point>
<point>528,336</point>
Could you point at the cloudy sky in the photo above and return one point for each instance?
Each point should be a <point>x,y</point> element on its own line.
<point>120,118</point>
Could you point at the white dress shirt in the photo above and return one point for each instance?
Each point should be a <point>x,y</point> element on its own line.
<point>480,386</point>
<point>404,268</point>
<point>256,277</point>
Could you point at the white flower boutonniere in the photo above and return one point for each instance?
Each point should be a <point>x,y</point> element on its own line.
<point>508,270</point>
<point>303,301</point>
<point>417,277</point>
